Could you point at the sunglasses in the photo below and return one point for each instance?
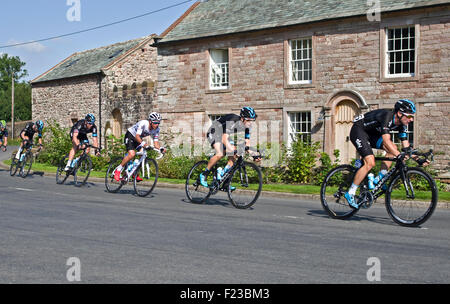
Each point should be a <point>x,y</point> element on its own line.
<point>249,119</point>
<point>409,116</point>
<point>156,122</point>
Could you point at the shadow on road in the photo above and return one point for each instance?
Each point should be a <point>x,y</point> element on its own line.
<point>355,218</point>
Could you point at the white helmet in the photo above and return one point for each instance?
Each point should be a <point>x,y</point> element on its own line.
<point>155,117</point>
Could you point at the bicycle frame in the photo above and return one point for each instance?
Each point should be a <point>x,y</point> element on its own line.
<point>141,161</point>
<point>401,167</point>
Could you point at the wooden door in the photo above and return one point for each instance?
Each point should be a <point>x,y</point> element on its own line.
<point>345,113</point>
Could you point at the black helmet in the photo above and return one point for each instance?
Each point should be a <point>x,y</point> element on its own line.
<point>248,112</point>
<point>90,118</point>
<point>405,106</point>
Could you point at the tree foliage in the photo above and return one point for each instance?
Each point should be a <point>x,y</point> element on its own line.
<point>22,90</point>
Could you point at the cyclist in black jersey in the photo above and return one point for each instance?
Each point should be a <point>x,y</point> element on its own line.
<point>3,135</point>
<point>78,134</point>
<point>27,135</point>
<point>219,134</point>
<point>372,131</point>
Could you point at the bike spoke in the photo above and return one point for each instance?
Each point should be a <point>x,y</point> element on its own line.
<point>245,185</point>
<point>411,205</point>
<point>145,177</point>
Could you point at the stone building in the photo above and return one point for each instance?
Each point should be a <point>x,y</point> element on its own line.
<point>116,83</point>
<point>308,67</point>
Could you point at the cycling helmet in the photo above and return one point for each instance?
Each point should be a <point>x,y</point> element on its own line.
<point>2,124</point>
<point>155,117</point>
<point>405,106</point>
<point>90,118</point>
<point>248,112</point>
<point>39,125</point>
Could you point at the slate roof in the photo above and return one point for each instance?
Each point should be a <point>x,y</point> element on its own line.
<point>90,61</point>
<point>219,17</point>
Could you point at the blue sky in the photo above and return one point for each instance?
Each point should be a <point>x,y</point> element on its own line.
<point>28,20</point>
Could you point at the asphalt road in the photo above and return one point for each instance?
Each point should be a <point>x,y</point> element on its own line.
<point>121,238</point>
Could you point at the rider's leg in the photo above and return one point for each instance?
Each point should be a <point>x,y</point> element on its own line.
<point>218,147</point>
<point>130,156</point>
<point>72,153</point>
<point>24,138</point>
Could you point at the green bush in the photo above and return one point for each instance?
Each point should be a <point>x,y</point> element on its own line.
<point>301,159</point>
<point>56,142</point>
<point>321,172</point>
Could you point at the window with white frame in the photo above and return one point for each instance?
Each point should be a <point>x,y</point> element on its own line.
<point>409,134</point>
<point>299,126</point>
<point>300,58</point>
<point>219,69</point>
<point>401,52</point>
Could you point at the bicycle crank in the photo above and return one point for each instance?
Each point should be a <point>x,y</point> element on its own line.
<point>366,199</point>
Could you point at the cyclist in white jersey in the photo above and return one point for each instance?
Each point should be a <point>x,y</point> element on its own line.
<point>134,140</point>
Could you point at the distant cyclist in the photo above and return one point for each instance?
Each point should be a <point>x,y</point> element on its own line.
<point>134,139</point>
<point>78,134</point>
<point>219,135</point>
<point>3,135</point>
<point>27,135</point>
<point>372,131</point>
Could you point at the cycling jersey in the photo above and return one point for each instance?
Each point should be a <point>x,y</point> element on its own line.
<point>230,124</point>
<point>368,129</point>
<point>143,129</point>
<point>82,130</point>
<point>29,131</point>
<point>3,133</point>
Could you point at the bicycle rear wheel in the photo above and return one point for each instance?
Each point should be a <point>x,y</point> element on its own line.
<point>111,184</point>
<point>61,175</point>
<point>82,171</point>
<point>194,190</point>
<point>245,185</point>
<point>411,210</point>
<point>145,177</point>
<point>334,186</point>
<point>14,165</point>
<point>26,164</point>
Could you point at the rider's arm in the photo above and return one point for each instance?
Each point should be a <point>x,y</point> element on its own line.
<point>389,146</point>
<point>227,143</point>
<point>75,137</point>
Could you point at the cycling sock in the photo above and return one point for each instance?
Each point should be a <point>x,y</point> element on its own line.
<point>18,153</point>
<point>120,168</point>
<point>206,172</point>
<point>226,169</point>
<point>353,189</point>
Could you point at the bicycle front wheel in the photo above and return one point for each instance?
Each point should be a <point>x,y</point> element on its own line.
<point>197,193</point>
<point>26,165</point>
<point>245,185</point>
<point>82,171</point>
<point>334,186</point>
<point>412,201</point>
<point>145,177</point>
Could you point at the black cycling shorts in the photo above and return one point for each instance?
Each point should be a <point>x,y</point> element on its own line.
<point>364,142</point>
<point>130,141</point>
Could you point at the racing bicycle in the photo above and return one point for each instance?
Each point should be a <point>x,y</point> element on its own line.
<point>25,161</point>
<point>411,194</point>
<point>243,182</point>
<point>80,169</point>
<point>143,172</point>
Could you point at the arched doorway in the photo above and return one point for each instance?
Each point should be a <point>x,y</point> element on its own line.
<point>341,109</point>
<point>117,123</point>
